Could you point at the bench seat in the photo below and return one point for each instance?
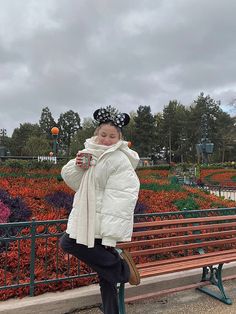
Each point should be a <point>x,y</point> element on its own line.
<point>167,246</point>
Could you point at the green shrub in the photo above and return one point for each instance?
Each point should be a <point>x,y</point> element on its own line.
<point>233,178</point>
<point>156,167</point>
<point>16,164</point>
<point>157,187</point>
<point>219,165</point>
<point>34,164</point>
<point>187,204</point>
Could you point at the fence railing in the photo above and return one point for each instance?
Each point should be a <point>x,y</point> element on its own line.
<point>31,257</point>
<point>228,192</point>
<point>30,157</point>
<point>224,189</point>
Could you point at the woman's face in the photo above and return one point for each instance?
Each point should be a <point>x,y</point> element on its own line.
<point>107,135</point>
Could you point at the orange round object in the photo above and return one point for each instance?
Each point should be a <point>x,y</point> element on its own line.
<point>129,144</point>
<point>54,130</point>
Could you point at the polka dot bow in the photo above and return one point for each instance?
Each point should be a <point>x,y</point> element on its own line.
<point>102,115</point>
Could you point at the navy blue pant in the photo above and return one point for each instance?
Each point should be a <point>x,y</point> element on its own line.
<point>107,263</point>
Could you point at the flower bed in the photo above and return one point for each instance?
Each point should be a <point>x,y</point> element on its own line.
<point>43,195</point>
<point>223,177</point>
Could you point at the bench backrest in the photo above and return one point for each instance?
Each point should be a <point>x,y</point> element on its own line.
<point>163,239</point>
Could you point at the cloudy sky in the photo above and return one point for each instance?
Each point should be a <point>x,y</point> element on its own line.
<point>81,54</point>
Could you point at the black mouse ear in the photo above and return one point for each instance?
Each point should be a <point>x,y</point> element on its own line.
<point>127,118</point>
<point>121,119</point>
<point>95,114</point>
<point>101,115</point>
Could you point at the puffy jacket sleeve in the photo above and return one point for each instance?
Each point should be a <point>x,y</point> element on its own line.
<point>72,175</point>
<point>120,197</point>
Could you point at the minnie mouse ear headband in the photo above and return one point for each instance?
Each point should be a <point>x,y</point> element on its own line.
<point>103,115</point>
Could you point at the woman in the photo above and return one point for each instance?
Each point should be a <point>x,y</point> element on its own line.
<point>106,186</point>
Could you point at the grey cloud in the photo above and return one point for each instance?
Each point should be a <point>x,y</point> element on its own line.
<point>92,53</point>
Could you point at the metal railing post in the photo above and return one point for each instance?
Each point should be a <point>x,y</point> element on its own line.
<point>32,256</point>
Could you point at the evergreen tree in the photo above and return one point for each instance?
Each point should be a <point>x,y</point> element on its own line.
<point>87,131</point>
<point>144,131</point>
<point>204,121</point>
<point>69,125</point>
<point>128,130</point>
<point>224,149</point>
<point>46,122</point>
<point>173,129</point>
<point>159,142</point>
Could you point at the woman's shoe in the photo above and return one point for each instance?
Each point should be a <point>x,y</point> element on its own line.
<point>134,278</point>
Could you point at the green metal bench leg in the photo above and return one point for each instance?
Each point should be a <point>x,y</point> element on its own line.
<point>122,298</point>
<point>214,275</point>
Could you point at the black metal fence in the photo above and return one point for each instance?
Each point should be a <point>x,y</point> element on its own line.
<point>30,254</point>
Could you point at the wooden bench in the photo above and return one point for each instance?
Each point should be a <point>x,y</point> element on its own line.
<point>173,245</point>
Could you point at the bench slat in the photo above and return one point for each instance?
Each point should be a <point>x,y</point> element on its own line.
<point>183,247</point>
<point>175,239</point>
<point>183,259</point>
<point>183,229</point>
<point>183,221</point>
<point>187,265</point>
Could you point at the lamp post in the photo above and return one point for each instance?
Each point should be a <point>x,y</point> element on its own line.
<point>3,133</point>
<point>204,138</point>
<point>170,148</point>
<point>55,132</point>
<point>182,141</point>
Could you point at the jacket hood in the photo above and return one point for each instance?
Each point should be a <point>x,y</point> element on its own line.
<point>121,145</point>
<point>131,154</point>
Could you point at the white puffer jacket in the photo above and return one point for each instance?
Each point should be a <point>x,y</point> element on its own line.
<point>116,192</point>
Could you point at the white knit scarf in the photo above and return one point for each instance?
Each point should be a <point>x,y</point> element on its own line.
<point>83,220</point>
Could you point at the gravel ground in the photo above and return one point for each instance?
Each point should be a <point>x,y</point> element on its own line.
<point>185,302</point>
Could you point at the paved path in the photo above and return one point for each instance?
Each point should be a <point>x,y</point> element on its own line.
<point>185,302</point>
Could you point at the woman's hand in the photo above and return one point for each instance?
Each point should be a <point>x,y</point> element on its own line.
<point>78,159</point>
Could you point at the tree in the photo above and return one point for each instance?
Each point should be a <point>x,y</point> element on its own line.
<point>226,135</point>
<point>174,129</point>
<point>46,122</point>
<point>87,131</point>
<point>21,135</point>
<point>210,126</point>
<point>36,146</point>
<point>128,130</point>
<point>159,142</point>
<point>144,131</point>
<point>69,124</point>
